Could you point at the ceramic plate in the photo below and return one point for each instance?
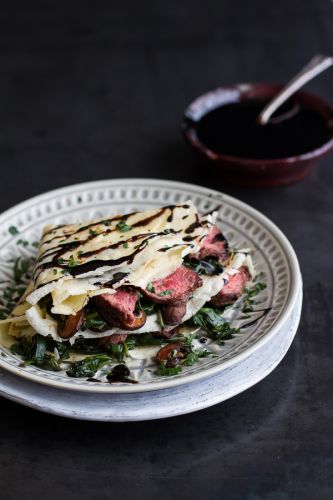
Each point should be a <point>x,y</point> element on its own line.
<point>185,398</point>
<point>244,227</point>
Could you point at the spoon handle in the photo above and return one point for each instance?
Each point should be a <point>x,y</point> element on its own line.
<point>317,64</point>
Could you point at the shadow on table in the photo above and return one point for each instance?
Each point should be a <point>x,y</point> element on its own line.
<point>168,447</point>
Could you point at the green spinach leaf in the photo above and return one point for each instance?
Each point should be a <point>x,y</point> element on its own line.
<point>87,367</point>
<point>209,266</point>
<point>212,321</point>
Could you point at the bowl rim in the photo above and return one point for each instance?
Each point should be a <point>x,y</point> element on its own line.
<point>202,105</point>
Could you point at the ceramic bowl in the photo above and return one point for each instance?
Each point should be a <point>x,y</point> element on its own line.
<point>248,171</point>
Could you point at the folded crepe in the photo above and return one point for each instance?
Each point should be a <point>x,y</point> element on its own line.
<point>141,272</point>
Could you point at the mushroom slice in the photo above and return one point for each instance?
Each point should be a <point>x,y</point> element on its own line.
<point>71,325</point>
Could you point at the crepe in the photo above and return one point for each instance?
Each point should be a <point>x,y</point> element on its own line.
<point>77,262</point>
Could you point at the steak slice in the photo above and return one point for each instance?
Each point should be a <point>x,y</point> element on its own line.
<point>118,309</point>
<point>214,245</point>
<point>233,290</point>
<point>176,287</point>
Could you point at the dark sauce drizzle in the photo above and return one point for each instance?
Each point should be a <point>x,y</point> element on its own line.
<point>91,266</point>
<point>173,246</point>
<point>120,373</point>
<point>188,238</point>
<point>106,222</point>
<point>54,228</point>
<point>193,226</point>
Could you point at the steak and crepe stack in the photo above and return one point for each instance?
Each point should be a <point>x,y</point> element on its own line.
<point>142,272</point>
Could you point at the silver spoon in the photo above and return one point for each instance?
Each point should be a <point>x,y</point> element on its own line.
<point>317,64</point>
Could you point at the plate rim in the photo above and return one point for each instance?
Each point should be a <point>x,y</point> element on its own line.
<point>295,284</point>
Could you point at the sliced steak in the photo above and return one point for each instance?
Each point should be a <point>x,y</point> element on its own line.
<point>176,287</point>
<point>214,245</point>
<point>118,309</point>
<point>234,288</point>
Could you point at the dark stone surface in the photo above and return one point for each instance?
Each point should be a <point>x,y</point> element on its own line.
<point>91,90</point>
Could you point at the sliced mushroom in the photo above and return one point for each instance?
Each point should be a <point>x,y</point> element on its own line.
<point>165,334</point>
<point>137,322</point>
<point>71,325</point>
<point>172,354</point>
<point>174,313</point>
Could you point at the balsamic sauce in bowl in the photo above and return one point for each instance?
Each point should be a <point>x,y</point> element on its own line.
<point>222,126</point>
<point>233,130</point>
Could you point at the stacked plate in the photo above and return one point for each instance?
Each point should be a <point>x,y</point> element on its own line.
<point>242,362</point>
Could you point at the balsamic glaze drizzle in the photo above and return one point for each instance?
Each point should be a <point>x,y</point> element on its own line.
<point>173,246</point>
<point>77,269</point>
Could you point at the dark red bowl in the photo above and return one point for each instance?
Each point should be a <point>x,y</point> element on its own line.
<point>248,171</point>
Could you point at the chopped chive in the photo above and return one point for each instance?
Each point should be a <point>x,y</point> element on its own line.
<point>123,227</point>
<point>13,230</point>
<point>160,319</point>
<point>24,243</point>
<point>150,288</point>
<point>72,262</point>
<point>165,371</point>
<point>21,266</point>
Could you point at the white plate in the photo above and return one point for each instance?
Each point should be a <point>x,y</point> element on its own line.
<point>243,226</point>
<point>170,402</point>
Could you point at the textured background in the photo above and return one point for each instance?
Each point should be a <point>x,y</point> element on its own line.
<point>91,90</point>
